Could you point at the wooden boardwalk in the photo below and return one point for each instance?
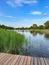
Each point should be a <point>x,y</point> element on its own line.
<point>9,59</point>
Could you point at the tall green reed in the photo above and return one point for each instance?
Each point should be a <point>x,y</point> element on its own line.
<point>11,42</point>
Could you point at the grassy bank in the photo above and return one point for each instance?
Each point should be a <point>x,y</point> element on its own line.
<point>10,41</point>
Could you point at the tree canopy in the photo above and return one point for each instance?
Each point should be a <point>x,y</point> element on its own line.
<point>46,24</point>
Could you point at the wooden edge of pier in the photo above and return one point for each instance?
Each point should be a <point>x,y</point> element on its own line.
<point>11,59</point>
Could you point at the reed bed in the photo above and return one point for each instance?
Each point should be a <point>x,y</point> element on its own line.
<point>11,42</point>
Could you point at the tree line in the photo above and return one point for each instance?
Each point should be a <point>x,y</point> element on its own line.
<point>6,27</point>
<point>45,26</point>
<point>34,26</point>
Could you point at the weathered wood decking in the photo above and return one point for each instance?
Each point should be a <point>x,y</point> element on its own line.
<point>9,59</point>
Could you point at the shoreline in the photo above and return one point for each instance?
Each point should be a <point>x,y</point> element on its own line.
<point>46,31</point>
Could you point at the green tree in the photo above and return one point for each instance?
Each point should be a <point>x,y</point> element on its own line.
<point>35,26</point>
<point>31,27</point>
<point>46,25</point>
<point>41,27</point>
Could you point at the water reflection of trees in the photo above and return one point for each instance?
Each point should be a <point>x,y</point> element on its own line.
<point>20,30</point>
<point>46,36</point>
<point>34,33</point>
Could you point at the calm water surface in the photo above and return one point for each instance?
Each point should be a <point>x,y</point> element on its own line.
<point>37,44</point>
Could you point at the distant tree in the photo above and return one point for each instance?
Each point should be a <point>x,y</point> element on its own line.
<point>6,27</point>
<point>41,27</point>
<point>3,26</point>
<point>46,25</point>
<point>22,28</point>
<point>35,26</point>
<point>31,27</point>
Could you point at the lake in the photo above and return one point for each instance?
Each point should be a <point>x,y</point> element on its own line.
<point>37,44</point>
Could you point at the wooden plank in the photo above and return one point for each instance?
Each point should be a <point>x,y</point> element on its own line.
<point>5,59</point>
<point>24,63</point>
<point>2,55</point>
<point>18,61</point>
<point>46,63</point>
<point>14,61</point>
<point>35,61</point>
<point>11,60</point>
<point>2,59</point>
<point>31,61</point>
<point>42,61</point>
<point>6,63</point>
<point>21,61</point>
<point>38,61</point>
<point>28,60</point>
<point>47,60</point>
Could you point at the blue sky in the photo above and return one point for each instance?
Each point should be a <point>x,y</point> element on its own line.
<point>24,13</point>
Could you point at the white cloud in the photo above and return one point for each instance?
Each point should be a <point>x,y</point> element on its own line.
<point>36,13</point>
<point>15,3</point>
<point>3,15</point>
